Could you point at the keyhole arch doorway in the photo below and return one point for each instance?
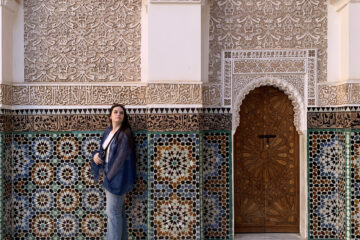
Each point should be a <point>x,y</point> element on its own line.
<point>267,157</point>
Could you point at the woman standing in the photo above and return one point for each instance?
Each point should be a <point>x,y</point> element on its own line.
<point>116,156</point>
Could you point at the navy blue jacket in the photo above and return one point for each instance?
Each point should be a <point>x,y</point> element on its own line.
<point>121,174</point>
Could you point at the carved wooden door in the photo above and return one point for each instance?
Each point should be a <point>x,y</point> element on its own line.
<point>266,172</point>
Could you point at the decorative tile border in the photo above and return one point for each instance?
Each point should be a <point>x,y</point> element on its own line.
<point>7,187</point>
<point>131,111</point>
<point>355,184</point>
<point>332,117</point>
<point>153,119</point>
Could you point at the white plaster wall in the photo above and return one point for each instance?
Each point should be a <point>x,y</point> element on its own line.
<point>174,42</point>
<point>344,40</point>
<point>12,43</point>
<point>18,45</point>
<point>7,20</point>
<point>1,44</point>
<point>144,42</point>
<point>354,40</point>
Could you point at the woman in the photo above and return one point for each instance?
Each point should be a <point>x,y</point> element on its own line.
<point>116,156</point>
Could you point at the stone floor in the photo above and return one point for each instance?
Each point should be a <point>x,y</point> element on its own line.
<point>266,236</point>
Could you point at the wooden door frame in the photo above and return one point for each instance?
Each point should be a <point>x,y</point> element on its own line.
<point>303,180</point>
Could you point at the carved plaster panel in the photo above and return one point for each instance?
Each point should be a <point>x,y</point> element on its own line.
<point>50,95</point>
<point>339,94</point>
<point>266,24</point>
<point>293,71</point>
<point>176,1</point>
<point>95,95</point>
<point>174,94</point>
<point>212,95</point>
<point>82,41</point>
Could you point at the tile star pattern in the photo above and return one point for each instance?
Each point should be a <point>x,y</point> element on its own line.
<point>53,191</point>
<point>327,183</point>
<point>216,177</point>
<point>174,192</point>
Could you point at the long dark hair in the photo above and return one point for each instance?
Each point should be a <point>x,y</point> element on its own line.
<point>125,125</point>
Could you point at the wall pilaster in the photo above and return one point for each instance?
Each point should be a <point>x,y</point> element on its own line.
<point>344,38</point>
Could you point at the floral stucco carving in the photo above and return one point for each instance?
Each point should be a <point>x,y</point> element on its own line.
<point>267,24</point>
<point>96,94</point>
<point>82,41</point>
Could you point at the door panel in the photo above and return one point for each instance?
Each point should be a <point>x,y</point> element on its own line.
<point>266,154</point>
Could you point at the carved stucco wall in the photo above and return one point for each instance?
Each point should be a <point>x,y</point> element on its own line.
<point>82,41</point>
<point>97,94</point>
<point>267,24</point>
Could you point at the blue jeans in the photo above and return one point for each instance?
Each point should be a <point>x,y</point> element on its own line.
<point>116,219</point>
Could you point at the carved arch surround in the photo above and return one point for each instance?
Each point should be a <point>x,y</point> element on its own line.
<point>296,100</point>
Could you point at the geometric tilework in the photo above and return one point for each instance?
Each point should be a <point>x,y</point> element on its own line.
<point>7,187</point>
<point>355,184</point>
<point>326,184</point>
<point>217,185</point>
<point>174,186</point>
<point>159,121</point>
<point>54,194</point>
<point>1,185</point>
<point>48,191</point>
<point>136,202</point>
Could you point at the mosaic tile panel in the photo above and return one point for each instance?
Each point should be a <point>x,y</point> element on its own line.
<point>7,187</point>
<point>174,186</point>
<point>54,194</point>
<point>342,186</point>
<point>136,201</point>
<point>1,184</point>
<point>355,184</point>
<point>326,183</point>
<point>216,170</point>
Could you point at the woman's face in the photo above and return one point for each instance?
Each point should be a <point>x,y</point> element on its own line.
<point>117,116</point>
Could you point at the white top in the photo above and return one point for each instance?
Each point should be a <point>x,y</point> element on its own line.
<point>107,142</point>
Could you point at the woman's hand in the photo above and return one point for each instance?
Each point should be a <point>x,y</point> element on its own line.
<point>97,159</point>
